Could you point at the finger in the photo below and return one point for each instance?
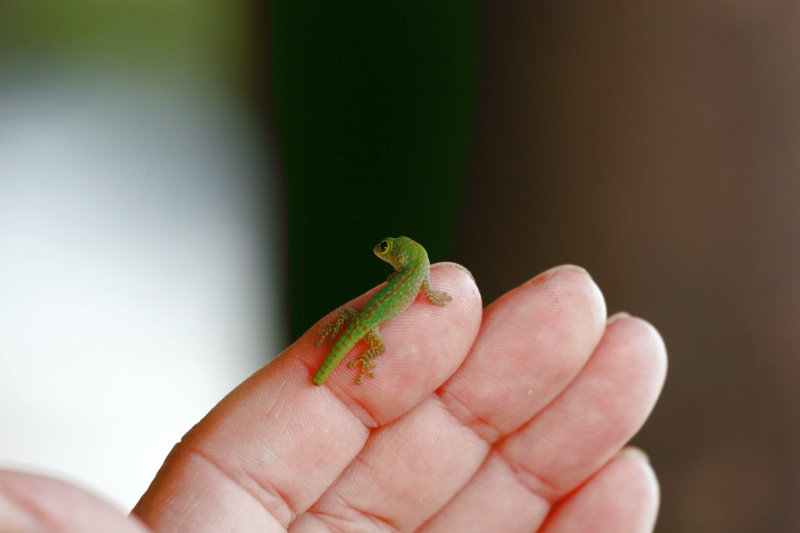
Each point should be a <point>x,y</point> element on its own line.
<point>33,503</point>
<point>621,498</point>
<point>533,341</point>
<point>569,440</point>
<point>424,346</point>
<point>410,469</point>
<point>596,415</point>
<point>407,471</point>
<point>277,442</point>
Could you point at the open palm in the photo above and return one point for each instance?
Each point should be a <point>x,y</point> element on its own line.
<point>509,418</point>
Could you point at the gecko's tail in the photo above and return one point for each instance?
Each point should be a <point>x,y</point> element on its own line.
<point>345,343</point>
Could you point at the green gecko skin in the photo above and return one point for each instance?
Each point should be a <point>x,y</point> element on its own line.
<point>412,274</point>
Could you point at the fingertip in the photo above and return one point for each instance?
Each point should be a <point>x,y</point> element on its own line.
<point>641,471</point>
<point>559,269</point>
<point>450,264</point>
<point>636,454</point>
<point>624,493</point>
<point>616,316</point>
<point>573,279</point>
<point>647,338</point>
<point>460,285</point>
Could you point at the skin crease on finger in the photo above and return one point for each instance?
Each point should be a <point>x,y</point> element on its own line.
<point>533,340</point>
<point>622,496</point>
<point>536,467</point>
<point>630,368</point>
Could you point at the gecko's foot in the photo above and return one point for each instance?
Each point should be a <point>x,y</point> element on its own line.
<point>440,298</point>
<point>366,368</point>
<point>329,332</point>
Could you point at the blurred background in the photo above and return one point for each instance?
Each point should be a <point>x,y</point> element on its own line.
<point>184,188</point>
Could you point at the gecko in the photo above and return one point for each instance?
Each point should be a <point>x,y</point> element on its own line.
<point>411,274</point>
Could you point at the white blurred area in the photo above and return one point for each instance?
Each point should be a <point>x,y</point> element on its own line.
<point>137,282</point>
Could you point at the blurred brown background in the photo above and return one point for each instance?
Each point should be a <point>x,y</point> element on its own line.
<point>658,145</point>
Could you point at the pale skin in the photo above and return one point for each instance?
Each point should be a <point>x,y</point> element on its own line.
<point>509,418</point>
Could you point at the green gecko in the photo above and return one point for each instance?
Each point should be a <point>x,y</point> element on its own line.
<point>412,273</point>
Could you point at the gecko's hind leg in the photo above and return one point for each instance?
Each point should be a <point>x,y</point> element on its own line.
<point>345,314</point>
<point>376,347</point>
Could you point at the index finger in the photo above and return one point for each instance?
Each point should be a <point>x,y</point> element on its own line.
<point>269,449</point>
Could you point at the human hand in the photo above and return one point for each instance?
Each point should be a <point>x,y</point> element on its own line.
<point>506,419</point>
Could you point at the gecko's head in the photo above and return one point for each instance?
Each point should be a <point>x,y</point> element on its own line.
<point>393,251</point>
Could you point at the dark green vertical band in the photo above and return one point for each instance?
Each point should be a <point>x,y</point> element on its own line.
<point>373,106</point>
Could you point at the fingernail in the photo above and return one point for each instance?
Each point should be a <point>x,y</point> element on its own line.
<point>633,450</point>
<point>616,316</point>
<point>456,265</point>
<point>547,274</point>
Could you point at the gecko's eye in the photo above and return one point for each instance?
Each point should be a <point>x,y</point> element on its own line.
<point>384,247</point>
